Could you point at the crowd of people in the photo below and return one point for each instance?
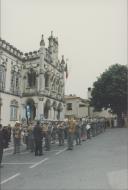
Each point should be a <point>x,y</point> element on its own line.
<point>40,136</point>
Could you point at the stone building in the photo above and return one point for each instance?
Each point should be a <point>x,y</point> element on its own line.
<point>32,85</point>
<point>77,107</point>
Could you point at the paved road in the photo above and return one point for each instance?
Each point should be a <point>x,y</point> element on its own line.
<point>99,163</point>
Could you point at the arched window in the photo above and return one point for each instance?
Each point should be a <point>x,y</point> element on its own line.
<point>30,110</point>
<point>13,110</point>
<point>32,78</point>
<point>47,80</point>
<point>2,77</point>
<point>15,86</point>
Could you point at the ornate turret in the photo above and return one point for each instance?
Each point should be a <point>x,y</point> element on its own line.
<point>62,60</point>
<point>51,40</point>
<point>42,43</point>
<point>42,46</point>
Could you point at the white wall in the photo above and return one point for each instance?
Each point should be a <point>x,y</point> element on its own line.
<point>5,109</point>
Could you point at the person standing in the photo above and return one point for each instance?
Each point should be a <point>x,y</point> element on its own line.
<point>61,133</point>
<point>71,131</point>
<point>30,138</point>
<point>37,132</point>
<point>9,132</point>
<point>78,132</point>
<point>54,132</point>
<point>83,129</point>
<point>1,145</point>
<point>88,128</point>
<point>17,137</point>
<point>5,136</point>
<point>48,136</point>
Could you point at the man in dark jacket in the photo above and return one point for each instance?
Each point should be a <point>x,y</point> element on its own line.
<point>1,145</point>
<point>5,136</point>
<point>37,132</point>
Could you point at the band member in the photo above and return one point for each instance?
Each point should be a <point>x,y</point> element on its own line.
<point>71,130</point>
<point>17,137</point>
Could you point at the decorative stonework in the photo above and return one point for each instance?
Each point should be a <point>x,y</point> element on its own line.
<point>37,75</point>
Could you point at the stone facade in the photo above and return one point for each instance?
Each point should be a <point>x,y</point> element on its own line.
<point>32,85</point>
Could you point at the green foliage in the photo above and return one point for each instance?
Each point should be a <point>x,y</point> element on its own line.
<point>110,90</point>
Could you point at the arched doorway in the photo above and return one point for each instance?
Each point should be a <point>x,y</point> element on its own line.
<point>30,110</point>
<point>47,107</point>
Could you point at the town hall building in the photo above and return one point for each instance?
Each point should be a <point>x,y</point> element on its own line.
<point>32,85</point>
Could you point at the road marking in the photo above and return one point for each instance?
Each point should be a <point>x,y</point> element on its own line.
<point>38,163</point>
<point>17,163</point>
<point>51,151</point>
<point>24,152</point>
<point>118,179</point>
<point>59,152</point>
<point>11,153</point>
<point>10,178</point>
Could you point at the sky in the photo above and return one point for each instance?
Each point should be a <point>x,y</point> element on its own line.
<point>92,34</point>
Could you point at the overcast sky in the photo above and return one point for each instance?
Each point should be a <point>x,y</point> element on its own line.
<point>92,34</point>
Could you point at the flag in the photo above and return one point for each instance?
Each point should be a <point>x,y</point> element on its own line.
<point>66,71</point>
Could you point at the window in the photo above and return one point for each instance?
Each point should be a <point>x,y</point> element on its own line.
<point>2,77</point>
<point>32,78</point>
<point>69,106</point>
<point>15,82</point>
<point>13,110</point>
<point>82,105</point>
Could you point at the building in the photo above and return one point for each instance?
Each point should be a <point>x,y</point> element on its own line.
<point>32,85</point>
<point>76,107</point>
<point>79,108</point>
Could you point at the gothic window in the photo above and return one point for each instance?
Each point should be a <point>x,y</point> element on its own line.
<point>32,78</point>
<point>53,85</point>
<point>2,77</point>
<point>13,110</point>
<point>47,80</point>
<point>30,110</point>
<point>15,82</point>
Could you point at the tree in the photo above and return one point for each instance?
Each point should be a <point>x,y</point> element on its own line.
<point>110,90</point>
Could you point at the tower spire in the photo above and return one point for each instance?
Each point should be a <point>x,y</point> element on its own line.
<point>42,43</point>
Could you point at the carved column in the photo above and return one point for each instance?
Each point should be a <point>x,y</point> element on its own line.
<point>42,55</point>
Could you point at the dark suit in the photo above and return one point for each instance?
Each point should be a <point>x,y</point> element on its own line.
<point>37,132</point>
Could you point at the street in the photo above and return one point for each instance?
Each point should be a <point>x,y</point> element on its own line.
<point>99,163</point>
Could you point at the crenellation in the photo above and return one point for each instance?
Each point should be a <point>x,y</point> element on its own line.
<point>10,49</point>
